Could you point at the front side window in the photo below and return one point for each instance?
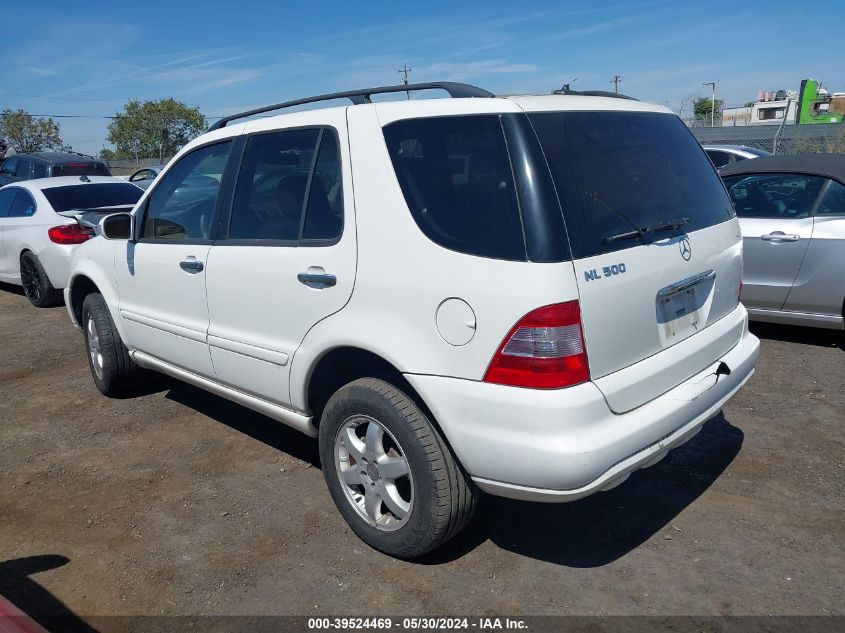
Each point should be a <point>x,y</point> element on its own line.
<point>182,205</point>
<point>617,172</point>
<point>774,195</point>
<point>23,205</point>
<point>456,177</point>
<point>833,202</point>
<point>272,185</point>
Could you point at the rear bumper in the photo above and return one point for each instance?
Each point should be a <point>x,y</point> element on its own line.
<point>561,445</point>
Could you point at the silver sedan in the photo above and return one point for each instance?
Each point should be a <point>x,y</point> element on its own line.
<point>791,210</point>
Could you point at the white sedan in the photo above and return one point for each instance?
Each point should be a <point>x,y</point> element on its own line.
<point>42,221</point>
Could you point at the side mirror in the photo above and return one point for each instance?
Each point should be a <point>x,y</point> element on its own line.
<point>117,226</point>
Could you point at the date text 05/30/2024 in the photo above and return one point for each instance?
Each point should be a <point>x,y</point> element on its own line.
<point>417,624</point>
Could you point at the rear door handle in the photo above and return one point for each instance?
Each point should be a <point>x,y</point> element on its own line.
<point>319,281</point>
<point>191,266</point>
<point>778,236</point>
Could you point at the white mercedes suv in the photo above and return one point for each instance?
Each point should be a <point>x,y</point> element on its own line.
<point>529,296</point>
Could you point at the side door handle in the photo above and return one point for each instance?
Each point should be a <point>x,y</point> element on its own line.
<point>191,266</point>
<point>780,236</point>
<point>317,280</point>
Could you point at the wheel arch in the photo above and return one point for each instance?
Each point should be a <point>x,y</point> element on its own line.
<point>343,364</point>
<point>84,281</point>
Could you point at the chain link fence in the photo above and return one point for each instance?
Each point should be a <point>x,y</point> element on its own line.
<point>789,139</point>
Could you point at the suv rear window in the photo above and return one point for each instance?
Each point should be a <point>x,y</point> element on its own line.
<point>81,169</point>
<point>92,196</point>
<point>456,177</point>
<point>619,171</point>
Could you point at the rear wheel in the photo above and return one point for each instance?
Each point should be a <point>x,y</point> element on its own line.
<point>390,473</point>
<point>36,284</point>
<point>112,368</point>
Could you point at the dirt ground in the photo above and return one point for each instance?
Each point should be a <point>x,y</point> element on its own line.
<point>179,502</point>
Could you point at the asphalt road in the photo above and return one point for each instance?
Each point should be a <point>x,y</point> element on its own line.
<point>178,502</point>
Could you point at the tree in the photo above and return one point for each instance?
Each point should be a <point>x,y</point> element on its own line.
<point>27,134</point>
<point>703,105</point>
<point>154,128</point>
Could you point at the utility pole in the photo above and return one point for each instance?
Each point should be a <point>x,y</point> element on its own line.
<point>404,72</point>
<point>615,81</point>
<point>712,84</point>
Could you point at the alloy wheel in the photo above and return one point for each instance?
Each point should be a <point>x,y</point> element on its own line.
<point>374,473</point>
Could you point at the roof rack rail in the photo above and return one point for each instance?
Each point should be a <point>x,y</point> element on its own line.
<point>592,93</point>
<point>357,97</point>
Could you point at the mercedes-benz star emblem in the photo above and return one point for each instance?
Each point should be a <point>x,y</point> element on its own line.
<point>686,249</point>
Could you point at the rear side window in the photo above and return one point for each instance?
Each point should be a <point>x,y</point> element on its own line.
<point>616,172</point>
<point>774,195</point>
<point>23,205</point>
<point>456,177</point>
<point>81,169</point>
<point>272,184</point>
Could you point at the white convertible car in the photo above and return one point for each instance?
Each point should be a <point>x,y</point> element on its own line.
<point>39,228</point>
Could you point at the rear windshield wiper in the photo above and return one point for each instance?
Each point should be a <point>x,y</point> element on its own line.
<point>672,225</point>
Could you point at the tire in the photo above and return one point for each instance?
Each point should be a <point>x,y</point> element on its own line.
<point>112,368</point>
<point>36,284</point>
<point>401,515</point>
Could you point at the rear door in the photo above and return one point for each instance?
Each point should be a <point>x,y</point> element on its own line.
<point>161,276</point>
<point>288,257</point>
<point>775,215</point>
<point>624,179</point>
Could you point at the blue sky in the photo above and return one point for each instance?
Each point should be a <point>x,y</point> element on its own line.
<point>88,58</point>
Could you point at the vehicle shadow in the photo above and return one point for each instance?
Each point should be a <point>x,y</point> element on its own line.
<point>12,289</point>
<point>587,533</point>
<point>35,601</point>
<point>795,334</point>
<point>604,527</point>
<point>257,426</point>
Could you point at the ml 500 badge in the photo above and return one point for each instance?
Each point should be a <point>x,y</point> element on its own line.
<point>609,271</point>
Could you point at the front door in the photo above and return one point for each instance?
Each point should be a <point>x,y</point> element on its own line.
<point>161,275</point>
<point>286,260</point>
<point>775,216</point>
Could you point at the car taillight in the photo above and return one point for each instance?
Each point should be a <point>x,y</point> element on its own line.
<point>69,234</point>
<point>545,350</point>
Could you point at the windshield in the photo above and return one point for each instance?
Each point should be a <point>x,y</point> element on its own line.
<point>92,196</point>
<point>619,172</point>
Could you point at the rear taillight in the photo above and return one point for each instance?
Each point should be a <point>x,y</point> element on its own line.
<point>545,350</point>
<point>69,234</point>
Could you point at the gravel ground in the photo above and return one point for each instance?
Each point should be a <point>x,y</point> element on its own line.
<point>178,502</point>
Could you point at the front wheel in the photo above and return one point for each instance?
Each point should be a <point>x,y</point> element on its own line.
<point>390,473</point>
<point>112,368</point>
